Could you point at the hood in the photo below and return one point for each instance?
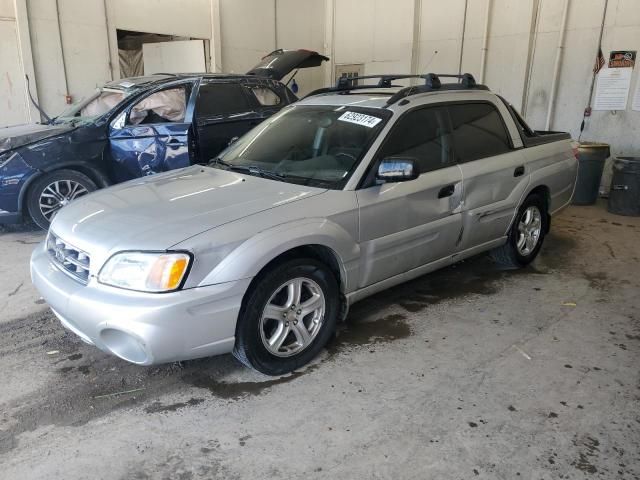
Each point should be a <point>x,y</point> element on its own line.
<point>159,211</point>
<point>20,135</point>
<point>280,63</point>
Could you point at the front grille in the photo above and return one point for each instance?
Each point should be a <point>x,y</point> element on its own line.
<point>71,260</point>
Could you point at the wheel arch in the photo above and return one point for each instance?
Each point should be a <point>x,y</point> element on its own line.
<point>318,252</point>
<point>545,192</point>
<point>96,176</point>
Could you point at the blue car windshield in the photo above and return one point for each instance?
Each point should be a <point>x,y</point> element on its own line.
<point>315,145</point>
<point>102,101</point>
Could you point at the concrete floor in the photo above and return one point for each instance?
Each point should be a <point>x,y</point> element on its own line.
<point>469,372</point>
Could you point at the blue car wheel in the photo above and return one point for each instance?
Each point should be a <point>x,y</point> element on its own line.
<point>49,193</point>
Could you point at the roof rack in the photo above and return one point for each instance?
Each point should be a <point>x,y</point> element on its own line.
<point>431,83</point>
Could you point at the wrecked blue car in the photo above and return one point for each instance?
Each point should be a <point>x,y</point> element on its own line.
<point>134,127</point>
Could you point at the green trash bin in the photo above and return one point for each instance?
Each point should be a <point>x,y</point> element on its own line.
<point>591,158</point>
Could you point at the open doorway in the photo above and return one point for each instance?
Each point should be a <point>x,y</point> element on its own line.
<point>144,53</point>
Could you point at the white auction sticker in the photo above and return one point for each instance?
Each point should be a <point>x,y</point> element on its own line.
<point>360,119</point>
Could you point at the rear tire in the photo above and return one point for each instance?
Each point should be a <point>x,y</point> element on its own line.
<point>288,317</point>
<point>525,236</point>
<point>53,191</point>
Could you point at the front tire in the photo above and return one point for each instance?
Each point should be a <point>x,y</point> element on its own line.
<point>54,190</point>
<point>288,317</point>
<point>525,236</point>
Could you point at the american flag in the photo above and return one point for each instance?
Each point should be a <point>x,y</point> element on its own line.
<point>599,62</point>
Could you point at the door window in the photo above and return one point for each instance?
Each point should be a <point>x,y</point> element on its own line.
<point>423,135</point>
<point>478,131</point>
<point>220,98</point>
<point>163,106</point>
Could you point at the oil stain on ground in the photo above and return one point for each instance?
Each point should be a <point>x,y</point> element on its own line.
<point>236,390</point>
<point>158,407</point>
<point>589,448</point>
<point>476,276</point>
<point>359,332</point>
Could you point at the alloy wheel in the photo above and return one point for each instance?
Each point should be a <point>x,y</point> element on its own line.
<point>58,194</point>
<point>292,317</point>
<point>529,230</point>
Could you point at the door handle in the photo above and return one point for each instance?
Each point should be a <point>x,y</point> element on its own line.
<point>174,142</point>
<point>447,191</point>
<point>519,171</point>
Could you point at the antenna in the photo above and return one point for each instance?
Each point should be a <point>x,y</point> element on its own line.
<point>46,117</point>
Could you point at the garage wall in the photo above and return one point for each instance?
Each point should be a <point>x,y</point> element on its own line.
<point>87,39</point>
<point>301,24</point>
<point>376,33</point>
<point>71,59</point>
<point>12,91</point>
<point>521,46</point>
<point>383,35</point>
<point>622,32</point>
<point>248,32</point>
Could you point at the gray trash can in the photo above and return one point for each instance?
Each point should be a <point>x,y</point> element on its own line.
<point>591,158</point>
<point>624,196</point>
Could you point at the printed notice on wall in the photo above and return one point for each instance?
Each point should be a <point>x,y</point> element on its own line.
<point>612,91</point>
<point>636,97</point>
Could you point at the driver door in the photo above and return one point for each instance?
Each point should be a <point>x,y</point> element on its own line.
<point>408,224</point>
<point>152,135</point>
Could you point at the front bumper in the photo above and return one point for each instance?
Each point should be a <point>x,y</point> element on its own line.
<point>142,328</point>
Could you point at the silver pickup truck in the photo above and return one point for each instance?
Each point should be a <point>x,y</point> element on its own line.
<point>261,252</point>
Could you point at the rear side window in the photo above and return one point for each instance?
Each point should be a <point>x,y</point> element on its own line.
<point>265,96</point>
<point>478,131</point>
<point>421,134</point>
<point>220,98</point>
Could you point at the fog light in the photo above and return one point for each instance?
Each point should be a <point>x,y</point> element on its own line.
<point>123,345</point>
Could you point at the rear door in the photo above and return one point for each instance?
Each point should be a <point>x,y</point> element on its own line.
<point>223,110</point>
<point>280,63</point>
<point>493,168</point>
<point>408,224</point>
<point>152,134</point>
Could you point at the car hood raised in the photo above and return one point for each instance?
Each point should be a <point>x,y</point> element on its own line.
<point>20,135</point>
<point>160,211</point>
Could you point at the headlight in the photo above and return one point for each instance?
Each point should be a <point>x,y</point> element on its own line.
<point>144,271</point>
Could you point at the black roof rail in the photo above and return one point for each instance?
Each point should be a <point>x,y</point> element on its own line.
<point>346,84</point>
<point>431,83</point>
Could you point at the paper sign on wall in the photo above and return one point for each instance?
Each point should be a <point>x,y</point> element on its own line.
<point>612,91</point>
<point>635,105</point>
<point>622,59</point>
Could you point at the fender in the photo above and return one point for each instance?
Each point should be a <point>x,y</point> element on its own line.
<point>100,177</point>
<point>251,256</point>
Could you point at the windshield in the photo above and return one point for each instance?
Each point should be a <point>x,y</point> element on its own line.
<point>102,101</point>
<point>314,145</point>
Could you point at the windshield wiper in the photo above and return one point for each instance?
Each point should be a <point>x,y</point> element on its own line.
<point>249,169</point>
<point>255,170</point>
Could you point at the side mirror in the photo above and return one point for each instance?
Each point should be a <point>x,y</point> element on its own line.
<point>398,169</point>
<point>232,141</point>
